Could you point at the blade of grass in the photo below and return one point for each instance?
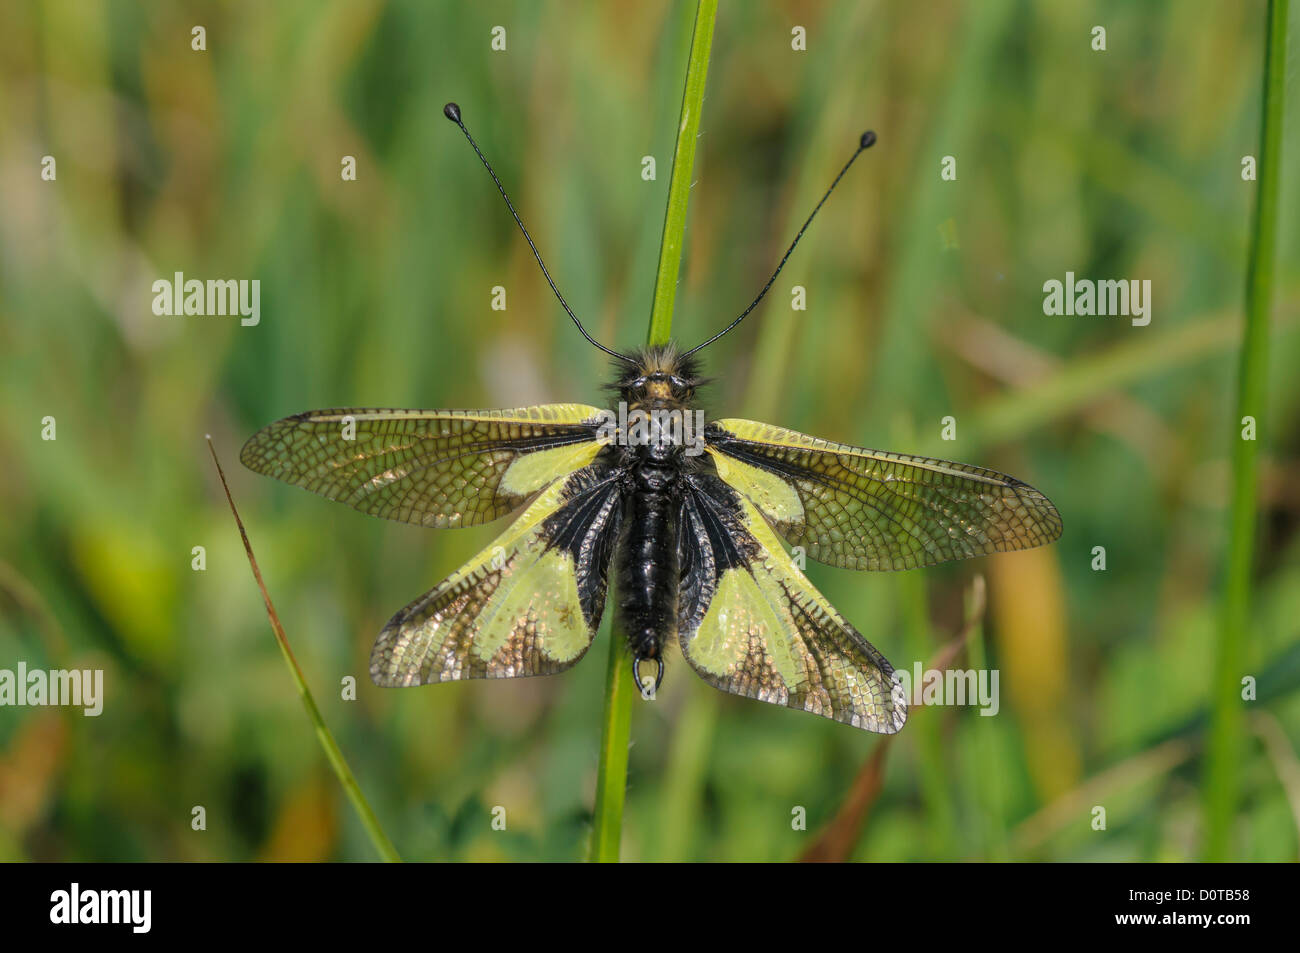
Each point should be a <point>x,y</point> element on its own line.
<point>679,185</point>
<point>933,765</point>
<point>1227,730</point>
<point>332,753</point>
<point>991,795</point>
<point>615,734</point>
<point>616,721</point>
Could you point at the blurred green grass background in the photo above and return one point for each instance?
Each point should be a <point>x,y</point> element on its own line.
<point>924,300</point>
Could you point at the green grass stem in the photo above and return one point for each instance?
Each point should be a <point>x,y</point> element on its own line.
<point>616,721</point>
<point>1227,731</point>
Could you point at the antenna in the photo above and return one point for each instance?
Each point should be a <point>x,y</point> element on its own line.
<point>452,112</point>
<point>867,140</point>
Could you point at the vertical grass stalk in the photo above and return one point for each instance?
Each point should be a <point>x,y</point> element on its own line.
<point>616,721</point>
<point>1227,730</point>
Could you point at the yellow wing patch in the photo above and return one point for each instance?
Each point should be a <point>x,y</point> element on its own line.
<point>542,597</point>
<point>776,498</point>
<point>530,472</point>
<point>743,623</point>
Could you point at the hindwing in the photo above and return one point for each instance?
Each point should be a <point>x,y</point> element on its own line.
<point>528,604</point>
<point>752,624</point>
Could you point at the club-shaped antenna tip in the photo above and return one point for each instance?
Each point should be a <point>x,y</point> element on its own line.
<point>866,142</point>
<point>452,112</point>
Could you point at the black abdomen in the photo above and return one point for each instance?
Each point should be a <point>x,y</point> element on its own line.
<point>648,571</point>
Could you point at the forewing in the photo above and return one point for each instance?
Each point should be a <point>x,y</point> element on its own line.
<point>752,624</point>
<point>868,509</point>
<point>529,604</point>
<point>439,468</point>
